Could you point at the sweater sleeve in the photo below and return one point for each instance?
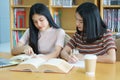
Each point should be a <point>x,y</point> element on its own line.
<point>72,42</point>
<point>60,37</point>
<point>109,41</point>
<point>25,38</point>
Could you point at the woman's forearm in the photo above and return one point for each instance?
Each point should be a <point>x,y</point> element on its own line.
<point>64,55</point>
<point>17,50</point>
<point>106,59</point>
<point>109,57</point>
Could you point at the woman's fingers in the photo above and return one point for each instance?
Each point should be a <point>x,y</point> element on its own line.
<point>28,50</point>
<point>73,59</point>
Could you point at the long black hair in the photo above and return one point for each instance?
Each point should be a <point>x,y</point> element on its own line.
<point>38,8</point>
<point>93,25</point>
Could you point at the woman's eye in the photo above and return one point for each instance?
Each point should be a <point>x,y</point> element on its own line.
<point>81,22</point>
<point>41,20</point>
<point>34,21</point>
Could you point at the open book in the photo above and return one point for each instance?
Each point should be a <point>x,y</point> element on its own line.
<point>41,65</point>
<point>21,57</point>
<point>4,62</point>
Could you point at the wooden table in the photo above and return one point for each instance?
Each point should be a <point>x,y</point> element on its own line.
<point>103,72</point>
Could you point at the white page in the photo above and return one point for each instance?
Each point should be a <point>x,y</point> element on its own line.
<point>80,64</point>
<point>21,57</point>
<point>34,61</point>
<point>54,61</point>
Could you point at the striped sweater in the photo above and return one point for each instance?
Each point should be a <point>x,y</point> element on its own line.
<point>98,47</point>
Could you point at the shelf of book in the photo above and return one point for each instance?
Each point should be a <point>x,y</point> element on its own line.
<point>63,12</point>
<point>110,13</point>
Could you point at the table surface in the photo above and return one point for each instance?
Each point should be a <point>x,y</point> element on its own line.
<point>103,72</point>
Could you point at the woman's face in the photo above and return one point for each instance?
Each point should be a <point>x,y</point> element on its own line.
<point>79,22</point>
<point>40,22</point>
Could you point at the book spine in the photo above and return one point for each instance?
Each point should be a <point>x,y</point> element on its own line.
<point>57,18</point>
<point>113,2</point>
<point>20,18</point>
<point>18,2</point>
<point>112,15</point>
<point>118,20</point>
<point>105,16</point>
<point>109,18</point>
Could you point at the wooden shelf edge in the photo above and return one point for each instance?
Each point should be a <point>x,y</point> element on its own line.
<point>70,31</point>
<point>20,29</point>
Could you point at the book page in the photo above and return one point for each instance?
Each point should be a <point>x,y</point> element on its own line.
<point>58,62</point>
<point>54,61</point>
<point>21,57</point>
<point>34,61</point>
<point>56,65</point>
<point>80,64</point>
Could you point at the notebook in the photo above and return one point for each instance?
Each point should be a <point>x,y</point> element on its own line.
<point>7,62</point>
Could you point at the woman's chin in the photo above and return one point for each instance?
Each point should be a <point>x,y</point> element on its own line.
<point>42,29</point>
<point>80,29</point>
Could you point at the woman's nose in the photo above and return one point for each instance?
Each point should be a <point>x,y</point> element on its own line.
<point>39,23</point>
<point>77,23</point>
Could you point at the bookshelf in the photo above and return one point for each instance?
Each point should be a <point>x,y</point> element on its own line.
<point>110,13</point>
<point>67,15</point>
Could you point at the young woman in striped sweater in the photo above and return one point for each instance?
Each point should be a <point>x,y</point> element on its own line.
<point>91,37</point>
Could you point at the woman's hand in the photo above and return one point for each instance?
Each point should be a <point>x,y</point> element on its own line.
<point>28,50</point>
<point>74,56</point>
<point>72,59</point>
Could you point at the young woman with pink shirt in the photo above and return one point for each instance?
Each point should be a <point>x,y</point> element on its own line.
<point>43,36</point>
